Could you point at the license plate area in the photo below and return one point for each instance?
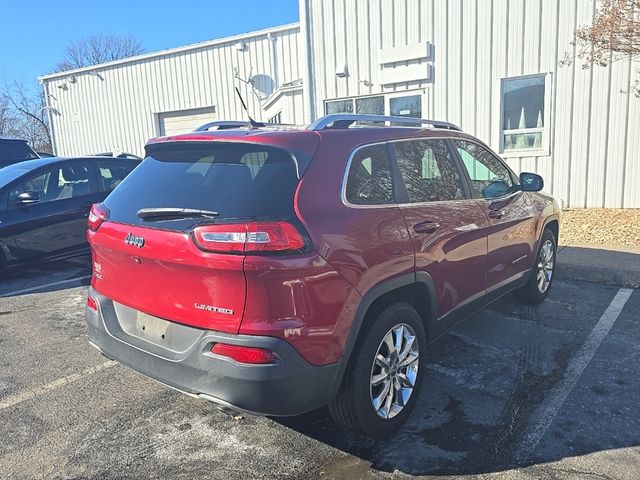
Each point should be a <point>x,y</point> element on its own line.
<point>170,336</point>
<point>152,328</point>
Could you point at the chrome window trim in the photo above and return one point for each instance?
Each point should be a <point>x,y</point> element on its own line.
<point>343,186</point>
<point>345,175</point>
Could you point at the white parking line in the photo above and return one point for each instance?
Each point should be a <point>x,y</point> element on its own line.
<point>37,391</point>
<point>46,285</point>
<point>545,414</point>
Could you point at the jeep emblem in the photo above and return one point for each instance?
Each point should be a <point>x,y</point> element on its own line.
<point>131,239</point>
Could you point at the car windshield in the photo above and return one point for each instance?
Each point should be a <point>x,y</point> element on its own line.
<point>235,180</point>
<point>15,151</point>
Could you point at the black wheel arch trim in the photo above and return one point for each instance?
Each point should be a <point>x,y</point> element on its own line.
<point>367,301</point>
<point>551,218</point>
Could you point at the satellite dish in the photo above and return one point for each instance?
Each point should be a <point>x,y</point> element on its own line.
<point>263,84</point>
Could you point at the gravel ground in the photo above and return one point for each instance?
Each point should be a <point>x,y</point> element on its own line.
<point>601,226</point>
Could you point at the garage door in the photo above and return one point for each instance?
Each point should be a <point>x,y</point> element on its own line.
<point>183,121</point>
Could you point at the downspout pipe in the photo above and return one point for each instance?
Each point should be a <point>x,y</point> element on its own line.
<point>308,80</point>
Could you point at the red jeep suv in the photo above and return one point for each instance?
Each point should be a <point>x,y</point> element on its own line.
<point>274,270</point>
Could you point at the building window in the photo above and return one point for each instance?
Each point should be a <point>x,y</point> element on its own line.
<point>338,106</point>
<point>363,105</point>
<point>525,110</point>
<point>370,105</point>
<point>277,118</point>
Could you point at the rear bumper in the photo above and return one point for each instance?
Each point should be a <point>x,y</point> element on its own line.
<point>184,361</point>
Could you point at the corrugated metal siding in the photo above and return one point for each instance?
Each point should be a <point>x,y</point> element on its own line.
<point>118,110</point>
<point>595,121</point>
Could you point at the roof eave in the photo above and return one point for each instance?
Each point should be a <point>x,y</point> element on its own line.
<point>169,51</point>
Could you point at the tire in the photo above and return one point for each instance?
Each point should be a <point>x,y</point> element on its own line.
<point>353,407</point>
<point>536,290</point>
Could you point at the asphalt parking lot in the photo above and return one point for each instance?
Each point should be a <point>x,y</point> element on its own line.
<point>514,392</point>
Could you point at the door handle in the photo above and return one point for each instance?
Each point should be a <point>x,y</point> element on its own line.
<point>497,214</point>
<point>426,227</point>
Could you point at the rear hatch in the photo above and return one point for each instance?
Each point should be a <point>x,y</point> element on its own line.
<point>14,151</point>
<point>187,265</point>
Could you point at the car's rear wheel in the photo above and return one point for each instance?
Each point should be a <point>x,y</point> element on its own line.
<point>542,274</point>
<point>384,375</point>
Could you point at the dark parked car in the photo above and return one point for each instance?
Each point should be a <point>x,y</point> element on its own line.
<point>276,270</point>
<point>44,205</point>
<point>14,150</point>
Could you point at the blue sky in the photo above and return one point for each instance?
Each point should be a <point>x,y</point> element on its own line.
<point>34,33</point>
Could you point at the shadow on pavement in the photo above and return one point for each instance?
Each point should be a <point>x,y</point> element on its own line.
<point>486,378</point>
<point>607,265</point>
<point>46,277</point>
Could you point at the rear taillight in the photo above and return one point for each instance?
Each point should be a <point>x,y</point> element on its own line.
<point>255,237</point>
<point>92,304</point>
<point>97,215</point>
<point>244,354</point>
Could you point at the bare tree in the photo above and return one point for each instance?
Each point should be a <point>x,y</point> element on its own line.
<point>98,49</point>
<point>29,115</point>
<point>8,120</point>
<point>614,34</point>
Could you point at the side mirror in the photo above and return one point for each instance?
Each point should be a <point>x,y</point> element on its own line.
<point>531,182</point>
<point>27,198</point>
<point>494,189</point>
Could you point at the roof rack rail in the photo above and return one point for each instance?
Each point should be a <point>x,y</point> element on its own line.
<point>345,120</point>
<point>222,125</point>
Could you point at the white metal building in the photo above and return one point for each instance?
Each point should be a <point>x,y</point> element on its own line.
<point>120,105</point>
<point>490,66</point>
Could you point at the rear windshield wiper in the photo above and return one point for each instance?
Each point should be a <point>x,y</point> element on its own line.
<point>162,213</point>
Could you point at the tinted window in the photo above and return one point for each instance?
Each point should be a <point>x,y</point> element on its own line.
<point>369,181</point>
<point>11,151</point>
<point>112,173</point>
<point>233,179</point>
<point>428,172</point>
<point>489,176</point>
<point>57,183</point>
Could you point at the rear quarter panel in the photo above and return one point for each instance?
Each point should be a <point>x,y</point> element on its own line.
<point>363,246</point>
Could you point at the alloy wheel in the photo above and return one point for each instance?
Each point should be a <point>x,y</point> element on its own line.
<point>394,371</point>
<point>545,266</point>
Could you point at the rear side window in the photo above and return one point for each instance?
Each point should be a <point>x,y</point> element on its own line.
<point>112,174</point>
<point>237,180</point>
<point>428,172</point>
<point>369,181</point>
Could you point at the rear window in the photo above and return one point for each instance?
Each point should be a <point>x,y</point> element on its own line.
<point>15,151</point>
<point>237,180</point>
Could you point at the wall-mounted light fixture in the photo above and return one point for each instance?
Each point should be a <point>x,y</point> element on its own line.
<point>342,71</point>
<point>241,46</point>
